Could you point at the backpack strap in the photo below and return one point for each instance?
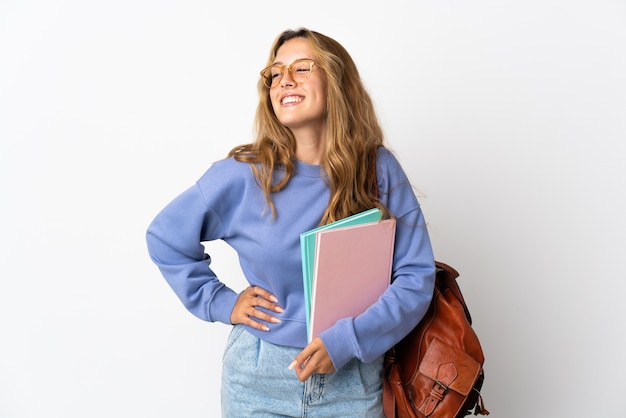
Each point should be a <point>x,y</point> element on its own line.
<point>389,400</point>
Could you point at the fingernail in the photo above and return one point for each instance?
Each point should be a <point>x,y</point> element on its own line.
<point>273,298</point>
<point>292,365</point>
<point>275,320</point>
<point>279,309</point>
<point>266,328</point>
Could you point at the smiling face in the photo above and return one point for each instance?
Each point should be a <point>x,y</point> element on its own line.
<point>299,106</point>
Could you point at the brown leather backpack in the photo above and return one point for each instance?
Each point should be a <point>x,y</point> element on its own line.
<point>436,371</point>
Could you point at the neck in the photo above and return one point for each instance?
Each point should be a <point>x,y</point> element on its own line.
<point>310,146</point>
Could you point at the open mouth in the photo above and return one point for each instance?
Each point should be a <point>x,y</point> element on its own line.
<point>291,99</point>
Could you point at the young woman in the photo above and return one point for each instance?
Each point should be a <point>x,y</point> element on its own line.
<point>317,133</point>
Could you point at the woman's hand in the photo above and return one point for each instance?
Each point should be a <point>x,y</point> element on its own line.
<point>312,359</point>
<point>246,312</point>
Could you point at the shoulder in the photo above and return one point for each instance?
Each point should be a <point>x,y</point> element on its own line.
<point>384,154</point>
<point>227,166</point>
<point>226,169</point>
<point>396,191</point>
<point>388,166</point>
<point>227,175</point>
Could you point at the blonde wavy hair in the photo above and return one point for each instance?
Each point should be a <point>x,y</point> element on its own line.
<point>353,133</point>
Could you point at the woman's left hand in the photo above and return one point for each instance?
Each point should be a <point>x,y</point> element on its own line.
<point>312,359</point>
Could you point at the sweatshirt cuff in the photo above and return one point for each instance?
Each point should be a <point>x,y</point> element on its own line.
<point>335,339</point>
<point>221,307</point>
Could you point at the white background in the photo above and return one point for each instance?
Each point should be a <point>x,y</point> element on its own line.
<point>509,117</point>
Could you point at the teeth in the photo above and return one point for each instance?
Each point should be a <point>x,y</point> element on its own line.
<point>291,99</point>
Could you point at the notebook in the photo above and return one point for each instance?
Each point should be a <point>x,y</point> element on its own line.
<point>352,270</point>
<point>307,246</point>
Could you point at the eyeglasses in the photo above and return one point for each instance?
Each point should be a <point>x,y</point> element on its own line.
<point>299,71</point>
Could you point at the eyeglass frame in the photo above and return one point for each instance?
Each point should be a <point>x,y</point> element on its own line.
<point>289,71</point>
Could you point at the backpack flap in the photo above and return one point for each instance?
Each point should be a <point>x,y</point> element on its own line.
<point>452,368</point>
<point>449,369</point>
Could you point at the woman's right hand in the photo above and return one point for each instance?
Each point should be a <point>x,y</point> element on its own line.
<point>246,312</point>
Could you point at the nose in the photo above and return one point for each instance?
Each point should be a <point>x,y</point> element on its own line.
<point>286,80</point>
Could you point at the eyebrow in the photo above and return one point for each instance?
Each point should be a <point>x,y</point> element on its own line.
<point>297,59</point>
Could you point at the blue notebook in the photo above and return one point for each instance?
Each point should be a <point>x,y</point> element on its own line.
<point>307,246</point>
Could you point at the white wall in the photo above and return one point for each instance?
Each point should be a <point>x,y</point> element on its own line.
<point>510,118</point>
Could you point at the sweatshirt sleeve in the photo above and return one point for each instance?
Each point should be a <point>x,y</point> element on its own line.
<point>407,299</point>
<point>174,240</point>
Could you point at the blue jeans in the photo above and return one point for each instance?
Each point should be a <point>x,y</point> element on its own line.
<point>256,383</point>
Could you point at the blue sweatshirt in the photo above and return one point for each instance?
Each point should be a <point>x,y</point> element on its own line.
<point>226,203</point>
